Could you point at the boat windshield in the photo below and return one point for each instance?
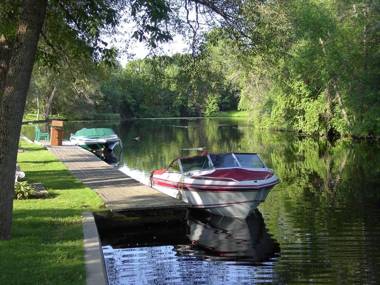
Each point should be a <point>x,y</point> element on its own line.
<point>195,163</point>
<point>224,160</point>
<point>248,160</point>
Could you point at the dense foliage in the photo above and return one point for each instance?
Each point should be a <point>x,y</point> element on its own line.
<point>169,86</point>
<point>311,67</point>
<point>315,66</point>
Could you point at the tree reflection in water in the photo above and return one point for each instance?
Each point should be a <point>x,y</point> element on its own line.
<point>325,213</point>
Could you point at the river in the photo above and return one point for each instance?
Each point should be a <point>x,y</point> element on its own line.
<point>321,224</point>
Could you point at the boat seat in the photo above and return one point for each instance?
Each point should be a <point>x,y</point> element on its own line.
<point>38,135</point>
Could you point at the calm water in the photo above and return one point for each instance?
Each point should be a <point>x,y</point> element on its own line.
<point>204,249</point>
<point>320,225</point>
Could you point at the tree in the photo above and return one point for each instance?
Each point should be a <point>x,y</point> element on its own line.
<point>19,36</point>
<point>53,88</point>
<point>169,86</point>
<point>17,58</point>
<point>311,66</point>
<point>21,24</point>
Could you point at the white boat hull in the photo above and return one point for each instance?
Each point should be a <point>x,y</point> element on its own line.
<point>232,199</point>
<point>111,141</point>
<point>226,203</point>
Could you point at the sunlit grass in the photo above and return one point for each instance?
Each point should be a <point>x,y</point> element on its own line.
<point>232,114</point>
<point>47,237</point>
<point>80,116</point>
<point>34,117</point>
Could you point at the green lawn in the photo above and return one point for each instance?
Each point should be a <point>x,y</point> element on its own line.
<point>47,236</point>
<point>232,114</point>
<point>33,117</point>
<point>80,116</point>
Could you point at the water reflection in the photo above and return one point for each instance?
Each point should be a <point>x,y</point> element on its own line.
<point>111,156</point>
<point>325,213</point>
<point>212,250</point>
<point>216,237</point>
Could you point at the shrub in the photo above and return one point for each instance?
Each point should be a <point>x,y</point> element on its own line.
<point>23,190</point>
<point>212,105</point>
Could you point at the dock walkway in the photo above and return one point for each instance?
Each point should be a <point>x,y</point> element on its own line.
<point>118,191</point>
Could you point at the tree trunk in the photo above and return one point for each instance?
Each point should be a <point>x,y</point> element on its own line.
<point>340,102</point>
<point>5,55</point>
<point>14,85</point>
<point>49,103</point>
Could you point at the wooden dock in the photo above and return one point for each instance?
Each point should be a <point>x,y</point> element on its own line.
<point>118,191</point>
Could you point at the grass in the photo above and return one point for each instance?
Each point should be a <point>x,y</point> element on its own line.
<point>47,236</point>
<point>232,114</point>
<point>29,117</point>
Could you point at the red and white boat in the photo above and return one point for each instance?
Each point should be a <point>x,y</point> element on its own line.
<point>229,184</point>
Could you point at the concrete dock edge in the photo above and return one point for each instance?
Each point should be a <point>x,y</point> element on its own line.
<point>93,254</point>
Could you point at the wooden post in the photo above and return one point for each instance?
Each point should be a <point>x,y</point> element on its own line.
<point>56,132</point>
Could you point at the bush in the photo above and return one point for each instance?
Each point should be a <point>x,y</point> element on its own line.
<point>212,105</point>
<point>23,190</point>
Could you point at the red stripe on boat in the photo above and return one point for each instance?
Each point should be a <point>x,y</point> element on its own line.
<point>165,183</point>
<point>216,188</point>
<point>211,188</point>
<point>159,171</point>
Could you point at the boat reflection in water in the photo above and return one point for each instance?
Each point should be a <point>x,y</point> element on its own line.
<point>111,156</point>
<point>224,238</point>
<point>204,249</point>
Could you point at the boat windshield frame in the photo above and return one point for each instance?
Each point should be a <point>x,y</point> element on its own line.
<point>171,163</point>
<point>264,166</point>
<point>212,164</point>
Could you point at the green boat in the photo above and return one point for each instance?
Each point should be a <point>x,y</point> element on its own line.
<point>94,138</point>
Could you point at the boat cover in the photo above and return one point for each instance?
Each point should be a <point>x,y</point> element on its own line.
<point>94,132</point>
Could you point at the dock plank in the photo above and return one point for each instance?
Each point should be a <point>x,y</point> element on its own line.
<point>118,191</point>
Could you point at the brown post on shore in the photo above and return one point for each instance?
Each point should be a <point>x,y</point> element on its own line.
<point>56,132</point>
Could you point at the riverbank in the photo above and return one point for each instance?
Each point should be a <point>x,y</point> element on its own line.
<point>231,114</point>
<point>33,118</point>
<point>47,235</point>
